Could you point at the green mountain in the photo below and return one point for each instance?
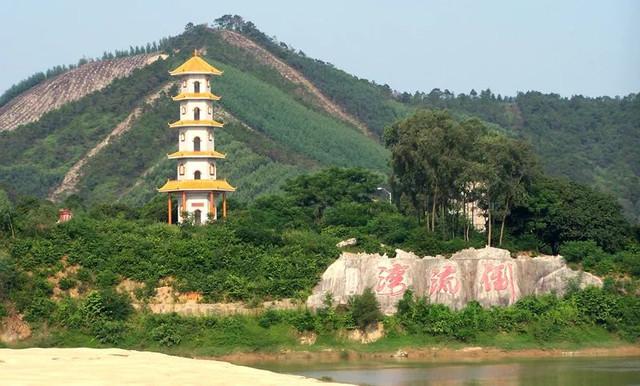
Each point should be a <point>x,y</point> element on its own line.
<point>284,113</point>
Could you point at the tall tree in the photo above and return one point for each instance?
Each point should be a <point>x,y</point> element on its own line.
<point>510,166</point>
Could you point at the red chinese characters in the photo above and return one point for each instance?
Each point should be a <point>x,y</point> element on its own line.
<point>391,280</point>
<point>498,277</point>
<point>443,279</point>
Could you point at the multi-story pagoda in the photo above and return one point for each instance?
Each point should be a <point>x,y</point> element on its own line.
<point>197,186</point>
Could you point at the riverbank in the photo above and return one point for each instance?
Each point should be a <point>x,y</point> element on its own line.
<point>429,354</point>
<point>89,367</point>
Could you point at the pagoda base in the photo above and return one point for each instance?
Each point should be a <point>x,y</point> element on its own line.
<point>197,207</point>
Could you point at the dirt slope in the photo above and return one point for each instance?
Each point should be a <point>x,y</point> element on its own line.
<point>67,87</point>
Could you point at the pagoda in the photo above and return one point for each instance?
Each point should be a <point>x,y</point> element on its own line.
<point>197,186</point>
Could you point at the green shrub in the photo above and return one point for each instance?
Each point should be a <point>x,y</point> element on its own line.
<point>269,318</point>
<point>577,251</point>
<point>68,313</point>
<point>40,310</point>
<point>66,283</point>
<point>365,309</point>
<point>105,304</point>
<point>303,321</point>
<point>108,331</point>
<point>166,334</point>
<point>597,306</point>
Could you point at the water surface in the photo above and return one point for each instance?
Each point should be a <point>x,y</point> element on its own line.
<point>529,372</point>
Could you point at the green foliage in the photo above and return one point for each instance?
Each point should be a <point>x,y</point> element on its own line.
<point>105,304</point>
<point>110,332</point>
<point>330,186</point>
<point>558,211</point>
<point>440,165</point>
<point>166,333</point>
<point>543,318</point>
<point>365,309</point>
<point>40,310</point>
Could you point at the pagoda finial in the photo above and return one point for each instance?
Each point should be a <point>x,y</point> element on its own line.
<point>195,52</point>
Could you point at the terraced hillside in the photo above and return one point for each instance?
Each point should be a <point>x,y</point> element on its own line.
<point>68,87</point>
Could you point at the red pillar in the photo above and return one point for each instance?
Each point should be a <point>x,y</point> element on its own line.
<point>224,205</point>
<point>169,207</point>
<point>211,205</point>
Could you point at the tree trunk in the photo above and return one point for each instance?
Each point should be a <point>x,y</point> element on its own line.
<point>504,217</point>
<point>489,230</point>
<point>502,228</point>
<point>433,211</point>
<point>13,232</point>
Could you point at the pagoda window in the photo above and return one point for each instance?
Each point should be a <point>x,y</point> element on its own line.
<point>197,175</point>
<point>184,84</point>
<point>196,86</point>
<point>196,113</point>
<point>212,169</point>
<point>196,144</point>
<point>210,110</point>
<point>197,217</point>
<point>184,110</point>
<point>182,137</point>
<point>181,169</point>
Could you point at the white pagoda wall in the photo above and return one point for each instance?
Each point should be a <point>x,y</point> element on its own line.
<point>191,165</point>
<point>206,143</point>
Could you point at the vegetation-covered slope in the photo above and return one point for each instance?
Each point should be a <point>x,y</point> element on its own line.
<point>293,113</point>
<point>279,133</point>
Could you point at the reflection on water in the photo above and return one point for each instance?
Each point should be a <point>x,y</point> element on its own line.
<point>559,371</point>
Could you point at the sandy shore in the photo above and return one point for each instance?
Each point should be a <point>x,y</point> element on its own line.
<point>85,366</point>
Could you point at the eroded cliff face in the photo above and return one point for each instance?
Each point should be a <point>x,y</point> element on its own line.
<point>488,275</point>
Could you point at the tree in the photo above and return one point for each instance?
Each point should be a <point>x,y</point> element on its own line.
<point>330,186</point>
<point>433,158</point>
<point>510,166</point>
<point>557,211</point>
<point>6,213</point>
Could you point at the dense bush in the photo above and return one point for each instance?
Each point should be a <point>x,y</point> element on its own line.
<point>545,318</point>
<point>365,309</point>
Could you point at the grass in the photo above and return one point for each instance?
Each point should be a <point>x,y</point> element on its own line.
<point>243,334</point>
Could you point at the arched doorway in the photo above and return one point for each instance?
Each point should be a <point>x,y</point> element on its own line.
<point>197,175</point>
<point>196,144</point>
<point>196,114</point>
<point>196,86</point>
<point>197,217</point>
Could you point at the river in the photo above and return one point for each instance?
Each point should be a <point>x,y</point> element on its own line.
<point>528,372</point>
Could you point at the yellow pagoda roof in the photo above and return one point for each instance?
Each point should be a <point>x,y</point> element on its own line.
<point>195,95</point>
<point>196,154</point>
<point>189,185</point>
<point>195,65</point>
<point>202,122</point>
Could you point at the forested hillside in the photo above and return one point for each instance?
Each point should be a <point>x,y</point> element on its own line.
<point>286,113</point>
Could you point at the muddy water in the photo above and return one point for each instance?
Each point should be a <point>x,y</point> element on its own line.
<point>528,372</point>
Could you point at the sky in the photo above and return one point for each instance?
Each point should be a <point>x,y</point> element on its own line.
<point>567,47</point>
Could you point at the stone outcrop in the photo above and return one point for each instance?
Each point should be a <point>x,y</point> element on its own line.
<point>489,276</point>
<point>13,328</point>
